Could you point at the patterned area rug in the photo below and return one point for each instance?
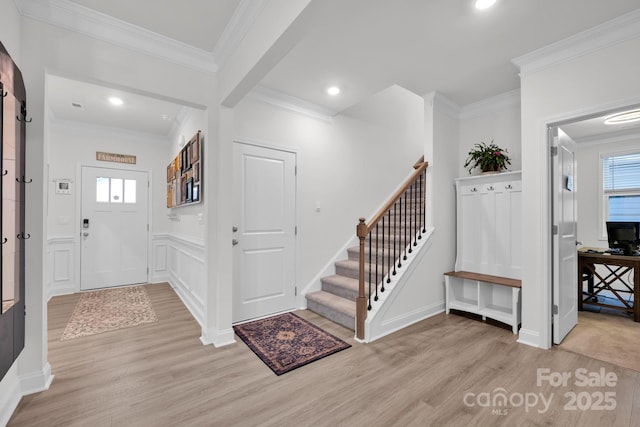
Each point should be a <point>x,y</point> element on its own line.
<point>108,310</point>
<point>286,342</point>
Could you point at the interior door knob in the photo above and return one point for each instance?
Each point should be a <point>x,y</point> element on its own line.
<point>235,242</point>
<point>85,234</point>
<point>235,229</point>
<point>578,243</point>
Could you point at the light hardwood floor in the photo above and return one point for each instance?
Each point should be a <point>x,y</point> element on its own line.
<point>161,375</point>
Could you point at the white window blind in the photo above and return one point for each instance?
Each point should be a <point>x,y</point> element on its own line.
<point>621,173</point>
<point>621,185</point>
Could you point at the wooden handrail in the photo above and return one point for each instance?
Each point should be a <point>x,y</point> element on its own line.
<point>376,218</point>
<point>363,230</point>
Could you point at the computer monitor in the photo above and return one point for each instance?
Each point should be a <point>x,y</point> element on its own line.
<point>624,236</point>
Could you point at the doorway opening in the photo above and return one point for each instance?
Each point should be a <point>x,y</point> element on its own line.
<point>597,324</point>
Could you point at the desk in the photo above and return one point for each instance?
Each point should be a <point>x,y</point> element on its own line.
<point>617,267</point>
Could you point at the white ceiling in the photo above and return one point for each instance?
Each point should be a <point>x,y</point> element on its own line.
<point>137,113</point>
<point>368,45</point>
<point>199,23</point>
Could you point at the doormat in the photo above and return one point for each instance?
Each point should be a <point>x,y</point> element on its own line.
<point>109,310</point>
<point>286,342</point>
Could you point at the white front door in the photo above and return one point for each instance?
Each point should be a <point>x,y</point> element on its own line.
<point>565,262</point>
<point>113,227</point>
<point>264,191</point>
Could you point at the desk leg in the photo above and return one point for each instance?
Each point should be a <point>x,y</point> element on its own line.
<point>580,284</point>
<point>636,292</point>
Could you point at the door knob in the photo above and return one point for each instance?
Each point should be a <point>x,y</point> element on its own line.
<point>235,242</point>
<point>578,243</point>
<point>85,234</point>
<point>235,229</point>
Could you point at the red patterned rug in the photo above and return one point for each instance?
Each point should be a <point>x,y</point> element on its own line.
<point>287,341</point>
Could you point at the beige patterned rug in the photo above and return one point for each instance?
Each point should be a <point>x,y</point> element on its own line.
<point>109,310</point>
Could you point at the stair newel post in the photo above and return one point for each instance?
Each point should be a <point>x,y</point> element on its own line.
<point>361,301</point>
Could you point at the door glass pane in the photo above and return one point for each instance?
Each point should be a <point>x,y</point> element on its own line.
<point>10,137</point>
<point>102,190</point>
<point>116,190</point>
<point>129,190</point>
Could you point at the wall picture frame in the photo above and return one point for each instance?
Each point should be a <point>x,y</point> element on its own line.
<point>184,174</point>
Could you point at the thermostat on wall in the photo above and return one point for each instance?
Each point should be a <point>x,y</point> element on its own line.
<point>63,186</point>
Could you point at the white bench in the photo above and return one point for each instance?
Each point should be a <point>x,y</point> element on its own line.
<point>495,297</point>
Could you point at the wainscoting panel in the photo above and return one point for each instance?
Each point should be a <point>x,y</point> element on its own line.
<point>61,252</point>
<point>179,260</point>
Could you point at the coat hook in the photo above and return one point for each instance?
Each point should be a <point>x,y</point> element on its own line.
<point>23,112</point>
<point>5,172</point>
<point>4,240</point>
<point>23,180</point>
<point>21,236</point>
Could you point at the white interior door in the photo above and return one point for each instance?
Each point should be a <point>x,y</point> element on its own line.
<point>114,227</point>
<point>264,237</point>
<point>565,266</point>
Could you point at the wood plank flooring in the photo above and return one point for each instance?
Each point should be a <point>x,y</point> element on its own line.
<point>161,375</point>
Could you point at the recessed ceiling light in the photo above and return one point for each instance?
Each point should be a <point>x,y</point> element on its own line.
<point>622,118</point>
<point>333,90</point>
<point>116,101</point>
<point>166,117</point>
<point>484,4</point>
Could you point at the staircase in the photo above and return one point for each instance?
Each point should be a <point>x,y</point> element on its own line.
<point>385,250</point>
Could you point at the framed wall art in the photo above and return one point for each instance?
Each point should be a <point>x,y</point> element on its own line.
<point>184,174</point>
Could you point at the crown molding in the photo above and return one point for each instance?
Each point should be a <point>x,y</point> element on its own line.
<point>625,135</point>
<point>80,19</point>
<point>494,104</point>
<point>291,103</point>
<point>241,21</point>
<point>612,32</point>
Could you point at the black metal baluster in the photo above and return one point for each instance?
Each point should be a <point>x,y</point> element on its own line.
<point>416,208</point>
<point>395,234</point>
<point>383,264</point>
<point>399,236</point>
<point>421,214</point>
<point>369,236</point>
<point>377,280</point>
<point>423,194</point>
<point>404,226</point>
<point>389,248</point>
<point>411,215</point>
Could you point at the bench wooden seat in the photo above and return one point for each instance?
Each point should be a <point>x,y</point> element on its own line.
<point>498,280</point>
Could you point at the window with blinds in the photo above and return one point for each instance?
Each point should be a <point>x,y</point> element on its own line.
<point>621,187</point>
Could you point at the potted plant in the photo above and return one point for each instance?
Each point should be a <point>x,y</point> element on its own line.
<point>488,157</point>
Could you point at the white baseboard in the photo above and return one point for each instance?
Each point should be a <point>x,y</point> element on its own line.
<point>406,319</point>
<point>218,338</point>
<point>10,394</point>
<point>531,338</point>
<point>14,386</point>
<point>35,382</point>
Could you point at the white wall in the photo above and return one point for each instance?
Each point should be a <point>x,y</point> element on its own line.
<point>187,220</point>
<point>588,179</point>
<point>593,82</point>
<point>348,167</point>
<point>496,119</point>
<point>422,295</point>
